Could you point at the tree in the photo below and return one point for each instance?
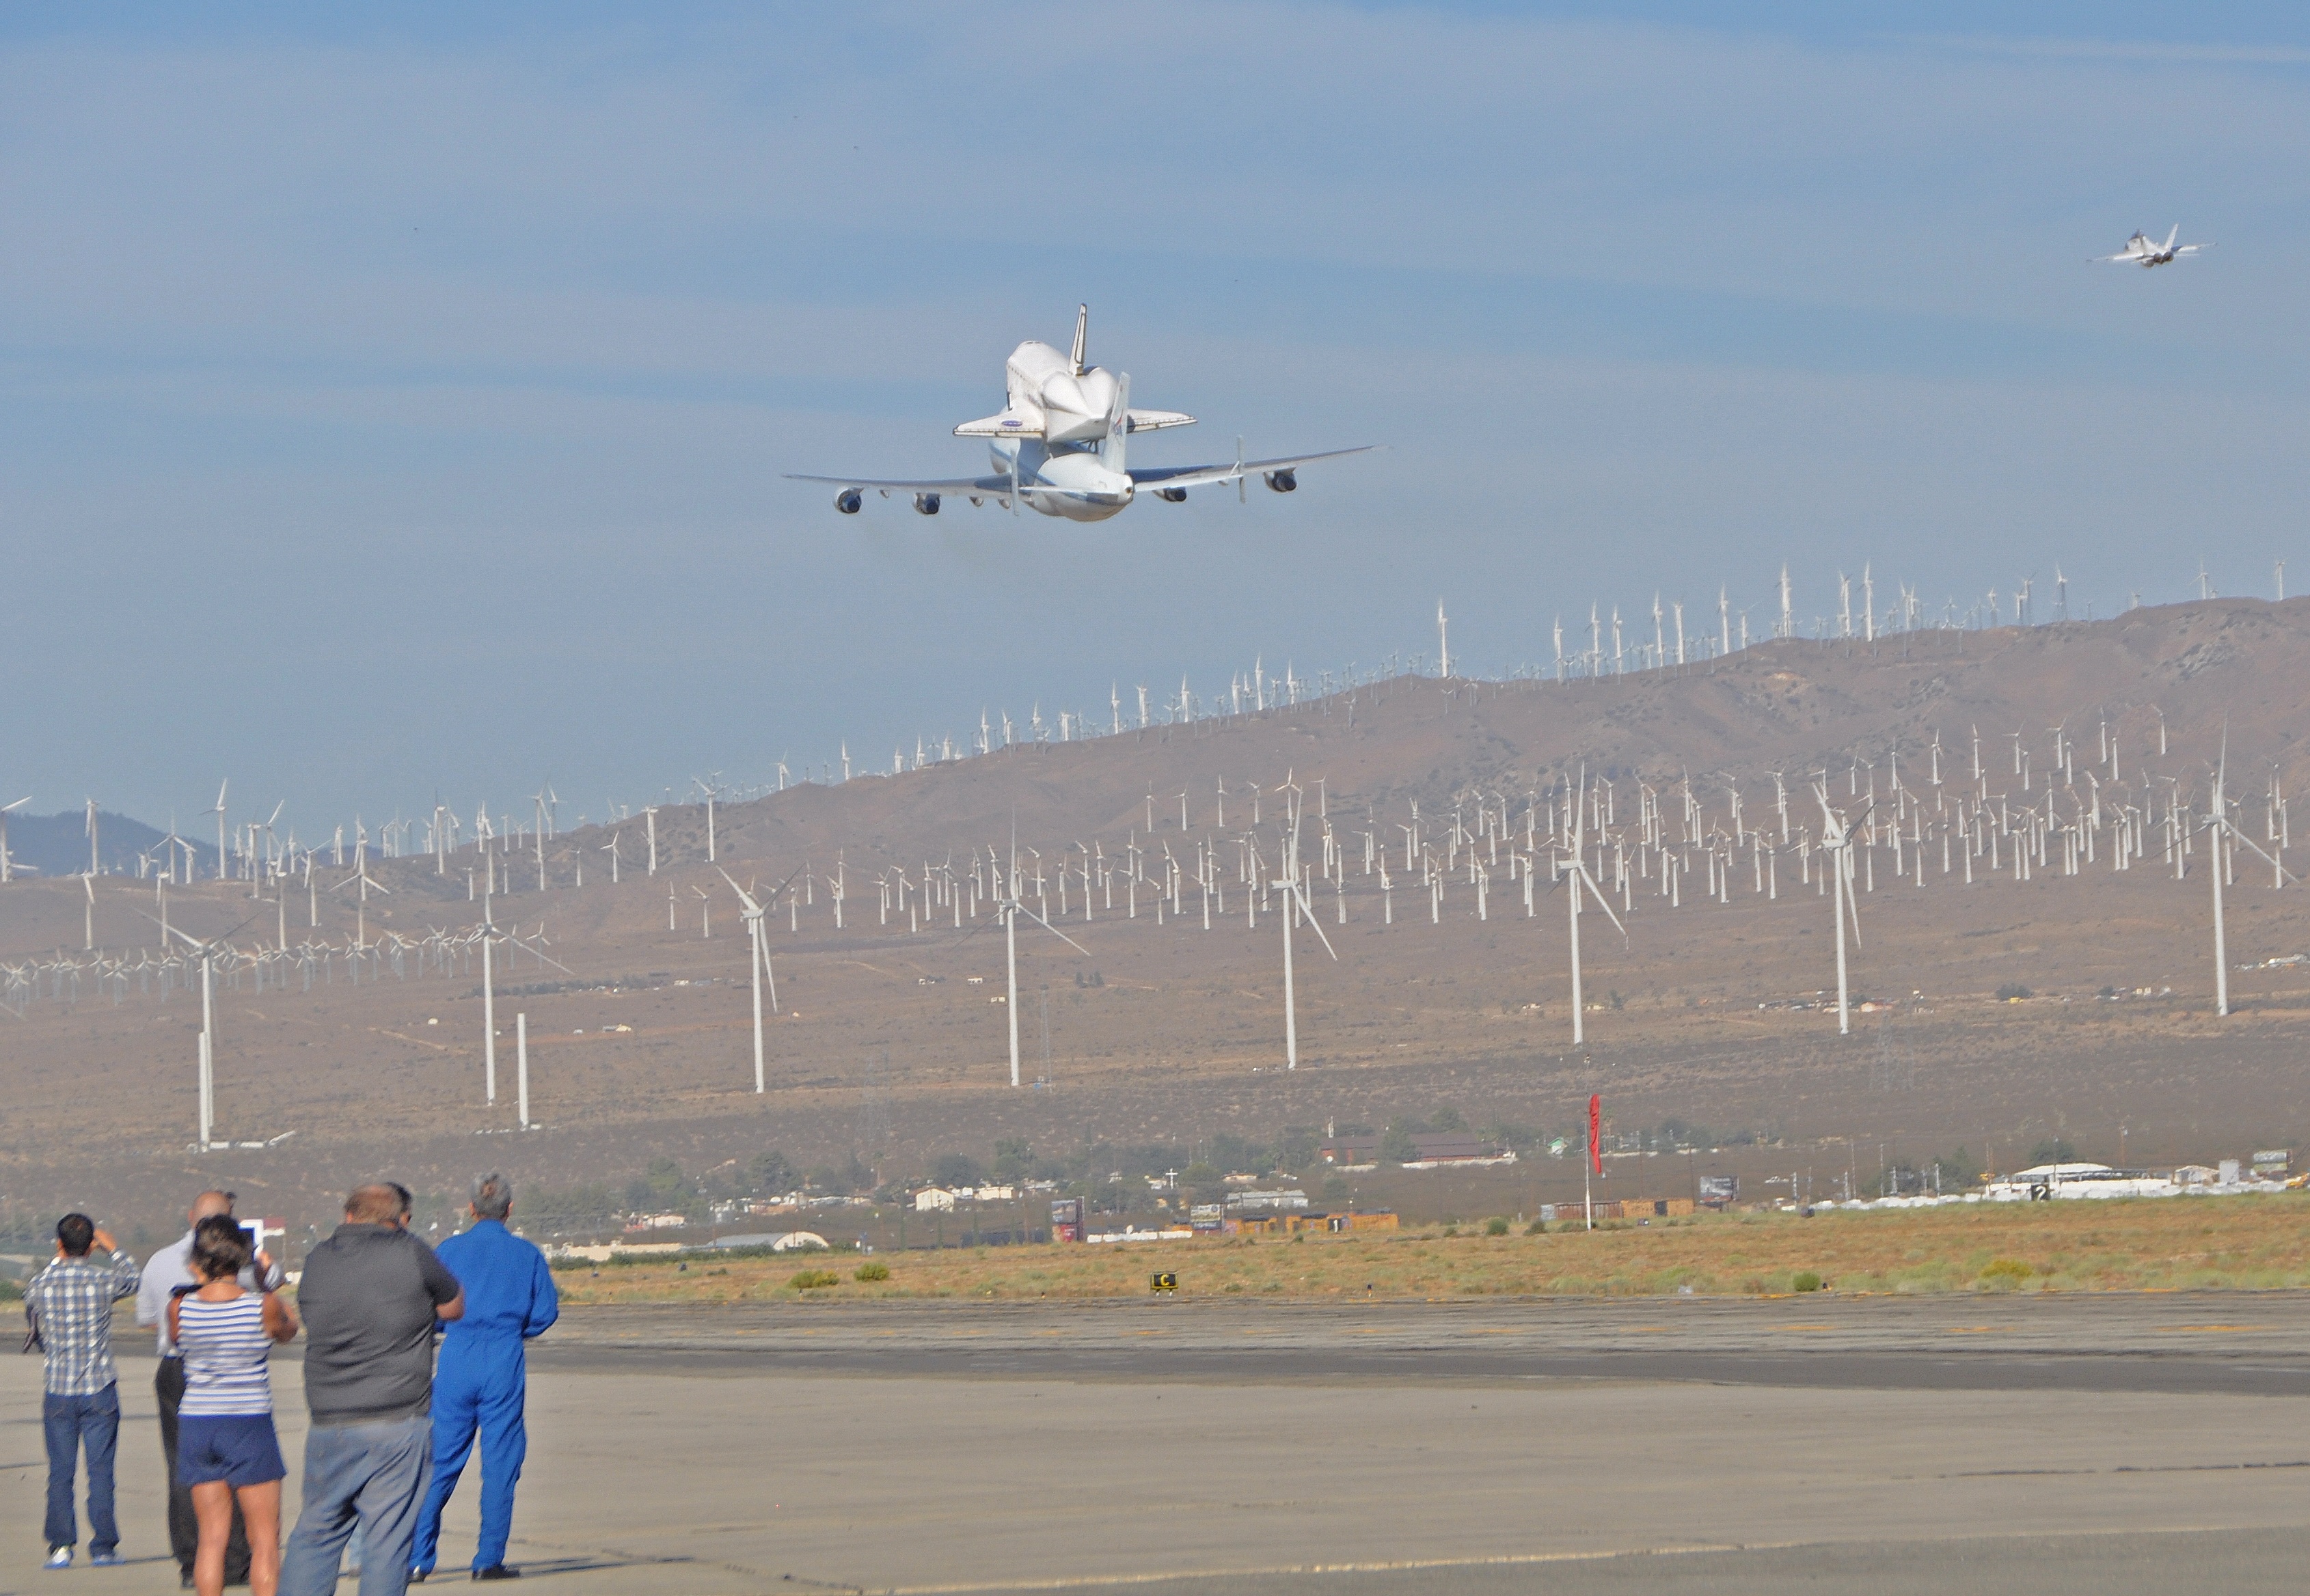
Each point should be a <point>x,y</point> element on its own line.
<point>955,1169</point>
<point>1014,1159</point>
<point>1446,1118</point>
<point>1397,1147</point>
<point>772,1173</point>
<point>2053,1150</point>
<point>1296,1148</point>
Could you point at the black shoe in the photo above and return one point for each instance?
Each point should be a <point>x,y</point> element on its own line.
<point>184,1579</point>
<point>497,1571</point>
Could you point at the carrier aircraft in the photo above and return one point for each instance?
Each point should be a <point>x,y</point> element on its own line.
<point>1059,444</point>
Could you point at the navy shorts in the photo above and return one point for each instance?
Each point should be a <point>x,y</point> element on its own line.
<point>237,1448</point>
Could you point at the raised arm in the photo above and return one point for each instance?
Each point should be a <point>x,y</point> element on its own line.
<point>280,1318</point>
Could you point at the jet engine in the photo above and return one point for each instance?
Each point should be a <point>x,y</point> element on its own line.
<point>926,504</point>
<point>1283,481</point>
<point>848,502</point>
<point>1172,495</point>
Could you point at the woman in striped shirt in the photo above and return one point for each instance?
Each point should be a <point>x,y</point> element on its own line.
<point>225,1443</point>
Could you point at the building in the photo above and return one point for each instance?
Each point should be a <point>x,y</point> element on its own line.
<point>1273,1201</point>
<point>933,1200</point>
<point>1455,1148</point>
<point>1290,1223</point>
<point>1430,1151</point>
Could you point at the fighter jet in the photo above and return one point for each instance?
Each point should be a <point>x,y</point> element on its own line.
<point>1058,446</point>
<point>2142,250</point>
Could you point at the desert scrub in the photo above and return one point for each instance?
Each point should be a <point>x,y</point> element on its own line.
<point>870,1272</point>
<point>2004,1274</point>
<point>814,1280</point>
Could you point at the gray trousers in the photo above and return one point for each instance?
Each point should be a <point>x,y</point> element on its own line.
<point>370,1475</point>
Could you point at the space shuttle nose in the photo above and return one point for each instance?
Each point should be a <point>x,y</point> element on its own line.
<point>1075,408</point>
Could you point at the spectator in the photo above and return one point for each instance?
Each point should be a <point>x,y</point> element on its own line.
<point>483,1377</point>
<point>70,1303</point>
<point>167,1272</point>
<point>372,1295</point>
<point>228,1454</point>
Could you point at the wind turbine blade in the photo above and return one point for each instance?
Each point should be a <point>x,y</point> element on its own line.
<point>1055,930</point>
<point>1308,909</point>
<point>2239,836</point>
<point>541,953</point>
<point>743,897</point>
<point>1602,902</point>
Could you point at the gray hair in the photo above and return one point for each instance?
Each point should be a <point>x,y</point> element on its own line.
<point>493,1195</point>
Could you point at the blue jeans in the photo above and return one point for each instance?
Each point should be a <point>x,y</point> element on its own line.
<point>364,1474</point>
<point>73,1423</point>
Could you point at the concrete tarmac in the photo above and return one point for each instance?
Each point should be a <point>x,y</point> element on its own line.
<point>1698,1445</point>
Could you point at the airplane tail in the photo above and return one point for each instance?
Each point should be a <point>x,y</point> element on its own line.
<point>2173,234</point>
<point>1082,328</point>
<point>1118,425</point>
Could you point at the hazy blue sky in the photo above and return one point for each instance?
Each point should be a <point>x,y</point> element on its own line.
<point>402,405</point>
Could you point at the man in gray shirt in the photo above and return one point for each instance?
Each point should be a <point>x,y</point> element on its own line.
<point>370,1296</point>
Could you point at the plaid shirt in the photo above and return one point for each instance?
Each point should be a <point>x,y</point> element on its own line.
<point>73,1297</point>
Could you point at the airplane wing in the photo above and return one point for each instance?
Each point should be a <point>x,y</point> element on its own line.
<point>941,485</point>
<point>1189,476</point>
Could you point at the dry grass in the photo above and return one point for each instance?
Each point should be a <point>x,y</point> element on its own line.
<point>2234,1243</point>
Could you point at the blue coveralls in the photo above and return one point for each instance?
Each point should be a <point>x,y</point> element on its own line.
<point>479,1385</point>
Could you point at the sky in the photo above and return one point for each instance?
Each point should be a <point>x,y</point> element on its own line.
<point>397,405</point>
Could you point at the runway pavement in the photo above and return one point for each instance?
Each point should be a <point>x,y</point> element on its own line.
<point>1899,1445</point>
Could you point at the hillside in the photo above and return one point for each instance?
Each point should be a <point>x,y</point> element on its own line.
<point>1445,993</point>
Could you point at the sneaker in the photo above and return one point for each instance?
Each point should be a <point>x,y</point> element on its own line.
<point>106,1559</point>
<point>417,1575</point>
<point>497,1571</point>
<point>60,1557</point>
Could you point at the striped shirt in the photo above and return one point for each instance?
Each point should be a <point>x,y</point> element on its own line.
<point>224,1348</point>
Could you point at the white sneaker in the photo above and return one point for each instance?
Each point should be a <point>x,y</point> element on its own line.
<point>59,1557</point>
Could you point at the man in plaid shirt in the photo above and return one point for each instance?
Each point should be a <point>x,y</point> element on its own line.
<point>71,1302</point>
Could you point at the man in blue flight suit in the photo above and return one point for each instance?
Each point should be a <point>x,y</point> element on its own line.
<point>480,1385</point>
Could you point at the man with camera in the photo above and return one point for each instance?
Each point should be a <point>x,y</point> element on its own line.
<point>167,1272</point>
<point>70,1304</point>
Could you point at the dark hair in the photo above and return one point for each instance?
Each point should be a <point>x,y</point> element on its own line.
<point>77,1232</point>
<point>221,1249</point>
<point>401,1191</point>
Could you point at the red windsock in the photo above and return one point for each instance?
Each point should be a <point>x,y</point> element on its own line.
<point>1596,1130</point>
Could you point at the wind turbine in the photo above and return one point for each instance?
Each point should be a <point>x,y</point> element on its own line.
<point>758,958</point>
<point>2219,822</point>
<point>1837,841</point>
<point>1571,860</point>
<point>1008,908</point>
<point>206,952</point>
<point>1294,888</point>
<point>6,809</point>
<point>219,812</point>
<point>489,933</point>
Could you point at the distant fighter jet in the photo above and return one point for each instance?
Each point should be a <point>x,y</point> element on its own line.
<point>2142,250</point>
<point>1058,446</point>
